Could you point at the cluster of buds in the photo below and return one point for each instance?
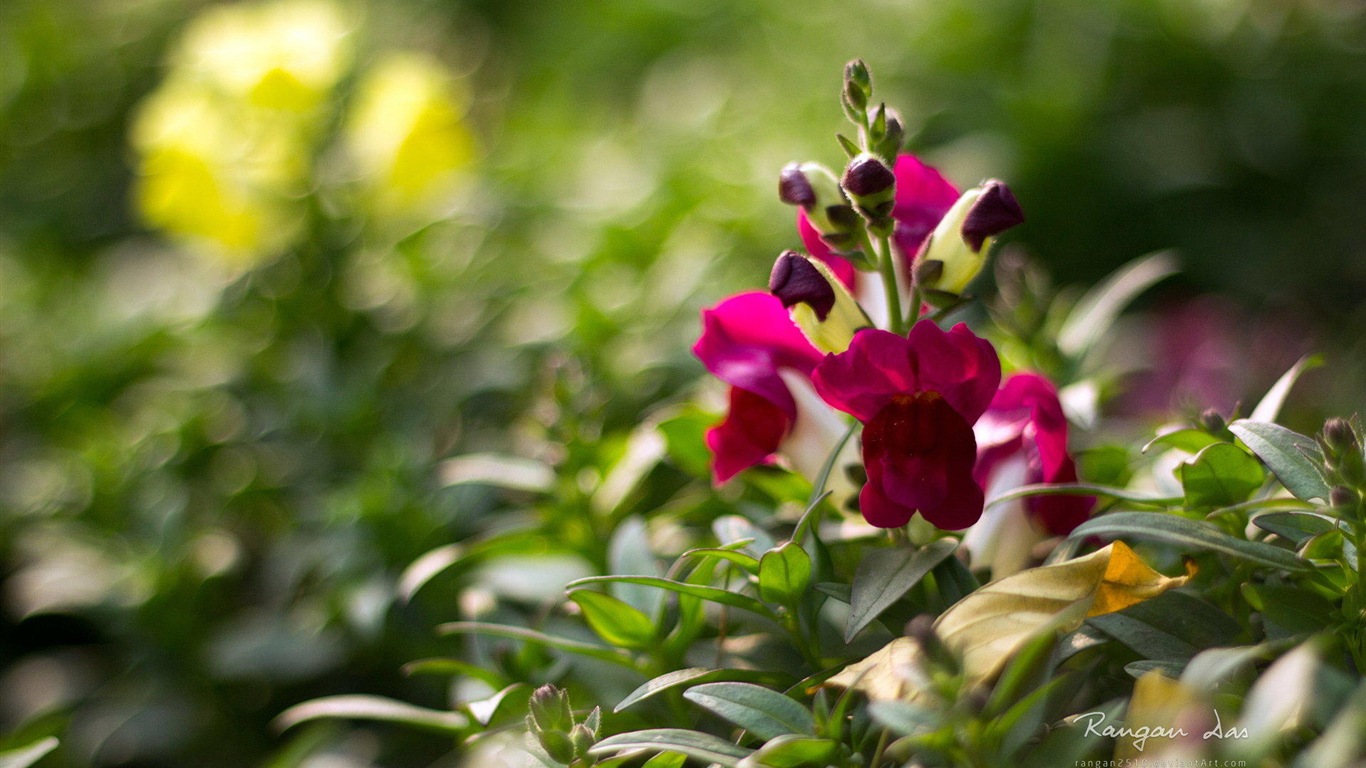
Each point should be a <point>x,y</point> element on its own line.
<point>552,724</point>
<point>1343,464</point>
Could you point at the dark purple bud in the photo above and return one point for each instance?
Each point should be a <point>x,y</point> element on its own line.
<point>1213,421</point>
<point>1342,497</point>
<point>794,188</point>
<point>795,280</point>
<point>867,176</point>
<point>995,211</point>
<point>1338,434</point>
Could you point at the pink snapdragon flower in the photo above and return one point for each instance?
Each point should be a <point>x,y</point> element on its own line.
<point>1022,440</point>
<point>923,196</point>
<point>750,342</point>
<point>917,397</point>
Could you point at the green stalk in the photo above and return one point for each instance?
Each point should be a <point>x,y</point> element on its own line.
<point>895,320</point>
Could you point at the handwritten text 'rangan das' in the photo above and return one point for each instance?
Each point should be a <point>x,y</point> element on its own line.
<point>1095,726</point>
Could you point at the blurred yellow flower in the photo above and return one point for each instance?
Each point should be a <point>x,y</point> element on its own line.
<point>285,55</point>
<point>225,144</point>
<point>406,134</point>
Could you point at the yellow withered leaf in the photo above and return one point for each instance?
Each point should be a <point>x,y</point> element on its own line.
<point>985,628</point>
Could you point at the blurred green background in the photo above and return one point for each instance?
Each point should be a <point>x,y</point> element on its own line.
<point>253,295</point>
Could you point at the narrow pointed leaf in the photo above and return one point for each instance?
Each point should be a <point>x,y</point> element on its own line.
<point>23,757</point>
<point>1270,406</point>
<point>375,708</point>
<point>764,713</point>
<point>1092,317</point>
<point>614,620</point>
<point>701,746</point>
<point>1189,535</point>
<point>1291,456</point>
<point>696,675</point>
<point>884,576</point>
<point>611,655</point>
<point>700,591</point>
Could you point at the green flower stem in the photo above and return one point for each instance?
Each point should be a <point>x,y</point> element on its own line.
<point>895,320</point>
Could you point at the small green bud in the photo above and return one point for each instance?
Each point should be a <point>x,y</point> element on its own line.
<point>582,739</point>
<point>550,710</point>
<point>556,744</point>
<point>856,75</point>
<point>889,146</point>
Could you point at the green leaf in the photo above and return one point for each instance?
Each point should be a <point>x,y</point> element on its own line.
<point>679,677</point>
<point>611,655</point>
<point>511,472</point>
<point>667,760</point>
<point>1093,315</point>
<point>764,713</point>
<point>748,562</point>
<point>1292,457</point>
<point>375,708</point>
<point>446,665</point>
<point>1220,475</point>
<point>1190,440</point>
<point>1296,527</point>
<point>1083,489</point>
<point>701,746</point>
<point>784,574</point>
<point>484,710</point>
<point>732,529</point>
<point>1190,535</point>
<point>885,575</point>
<point>700,591</point>
<point>904,718</point>
<point>1292,610</point>
<point>26,756</point>
<point>1172,627</point>
<point>1270,405</point>
<point>629,555</point>
<point>1215,666</point>
<point>614,620</point>
<point>794,751</point>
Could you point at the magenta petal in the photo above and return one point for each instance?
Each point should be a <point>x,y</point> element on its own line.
<point>923,196</point>
<point>750,434</point>
<point>818,249</point>
<point>860,381</point>
<point>959,365</point>
<point>1034,395</point>
<point>747,338</point>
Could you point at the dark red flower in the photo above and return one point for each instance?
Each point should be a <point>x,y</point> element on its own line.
<point>918,397</point>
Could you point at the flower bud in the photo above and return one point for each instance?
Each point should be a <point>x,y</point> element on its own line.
<point>1342,452</point>
<point>582,739</point>
<point>936,654</point>
<point>1343,499</point>
<point>550,710</point>
<point>819,303</point>
<point>557,745</point>
<point>1213,421</point>
<point>965,234</point>
<point>888,146</point>
<point>1337,433</point>
<point>857,77</point>
<point>814,188</point>
<point>871,185</point>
